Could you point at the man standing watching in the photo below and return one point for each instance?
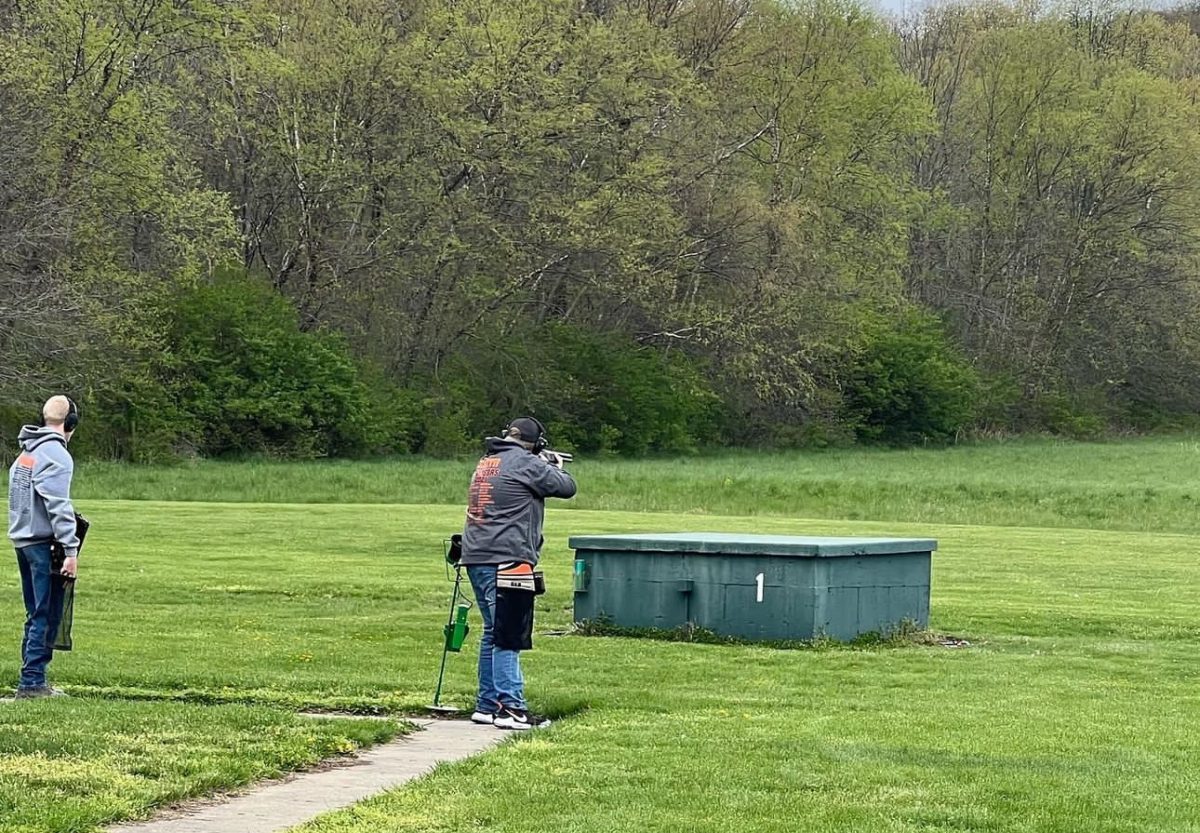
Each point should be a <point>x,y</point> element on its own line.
<point>40,514</point>
<point>501,543</point>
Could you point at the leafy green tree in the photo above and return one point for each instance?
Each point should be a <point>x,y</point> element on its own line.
<point>799,218</point>
<point>644,219</point>
<point>247,379</point>
<point>1063,235</point>
<point>908,383</point>
<point>103,216</point>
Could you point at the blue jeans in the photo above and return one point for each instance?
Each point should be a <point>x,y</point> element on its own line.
<point>43,594</point>
<point>500,680</point>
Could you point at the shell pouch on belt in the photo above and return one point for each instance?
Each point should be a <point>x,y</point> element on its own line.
<point>516,585</point>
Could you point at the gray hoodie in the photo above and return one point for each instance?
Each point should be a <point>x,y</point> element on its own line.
<point>39,491</point>
<point>507,504</point>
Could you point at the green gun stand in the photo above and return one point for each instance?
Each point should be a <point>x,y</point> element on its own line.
<point>454,633</point>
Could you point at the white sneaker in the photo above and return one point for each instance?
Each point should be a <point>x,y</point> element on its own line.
<point>519,719</point>
<point>483,718</point>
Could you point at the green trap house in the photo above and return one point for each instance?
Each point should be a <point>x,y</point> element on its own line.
<point>764,587</point>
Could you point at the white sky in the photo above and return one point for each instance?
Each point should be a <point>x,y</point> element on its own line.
<point>899,6</point>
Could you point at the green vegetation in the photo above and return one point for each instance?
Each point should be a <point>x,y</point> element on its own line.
<point>1072,708</point>
<point>77,764</point>
<point>1146,484</point>
<point>239,376</point>
<point>251,380</point>
<point>907,385</point>
<point>314,229</point>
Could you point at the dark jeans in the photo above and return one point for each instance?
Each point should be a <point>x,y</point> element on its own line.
<point>43,593</point>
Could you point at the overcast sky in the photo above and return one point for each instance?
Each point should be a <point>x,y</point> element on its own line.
<point>897,6</point>
<point>892,5</point>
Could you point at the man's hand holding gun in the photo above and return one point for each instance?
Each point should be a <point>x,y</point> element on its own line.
<point>555,458</point>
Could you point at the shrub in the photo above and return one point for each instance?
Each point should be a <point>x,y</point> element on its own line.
<point>908,383</point>
<point>247,379</point>
<point>595,392</point>
<point>607,394</point>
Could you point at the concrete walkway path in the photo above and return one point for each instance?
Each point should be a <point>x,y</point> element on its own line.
<point>279,805</point>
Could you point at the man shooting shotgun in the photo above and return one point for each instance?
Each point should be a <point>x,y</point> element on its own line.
<point>501,543</point>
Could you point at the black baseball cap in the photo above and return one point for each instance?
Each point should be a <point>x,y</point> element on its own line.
<point>529,429</point>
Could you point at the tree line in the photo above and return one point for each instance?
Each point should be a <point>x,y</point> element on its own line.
<point>309,228</point>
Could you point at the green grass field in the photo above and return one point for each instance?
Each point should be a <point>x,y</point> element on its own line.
<point>1074,709</point>
<point>1140,484</point>
<point>70,765</point>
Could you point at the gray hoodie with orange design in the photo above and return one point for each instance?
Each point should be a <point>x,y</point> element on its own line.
<point>39,491</point>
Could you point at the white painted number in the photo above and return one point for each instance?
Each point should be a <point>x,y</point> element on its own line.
<point>759,579</point>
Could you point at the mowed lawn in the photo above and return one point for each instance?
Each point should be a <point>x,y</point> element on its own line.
<point>201,627</point>
<point>1144,484</point>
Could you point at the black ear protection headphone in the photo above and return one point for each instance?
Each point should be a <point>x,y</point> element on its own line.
<point>540,443</point>
<point>72,419</point>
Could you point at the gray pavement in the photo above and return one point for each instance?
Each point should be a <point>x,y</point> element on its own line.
<point>278,805</point>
